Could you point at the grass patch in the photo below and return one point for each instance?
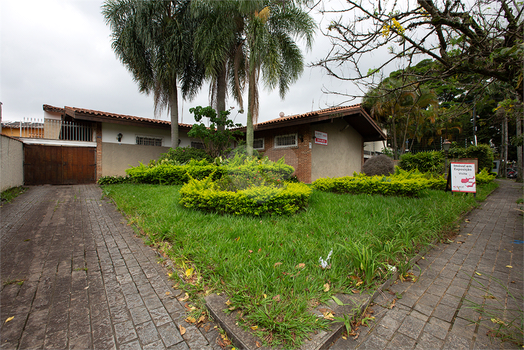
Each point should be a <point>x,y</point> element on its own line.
<point>274,268</point>
<point>11,193</point>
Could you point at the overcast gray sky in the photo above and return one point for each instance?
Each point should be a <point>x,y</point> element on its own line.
<point>58,52</point>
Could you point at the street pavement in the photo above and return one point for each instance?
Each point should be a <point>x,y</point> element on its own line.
<point>75,276</point>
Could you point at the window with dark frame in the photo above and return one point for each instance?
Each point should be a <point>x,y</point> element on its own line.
<point>289,140</point>
<point>148,141</point>
<point>197,144</point>
<point>258,143</point>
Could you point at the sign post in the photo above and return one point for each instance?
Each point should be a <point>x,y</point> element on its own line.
<point>463,177</point>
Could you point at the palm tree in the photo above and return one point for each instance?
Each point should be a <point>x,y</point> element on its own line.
<point>219,45</point>
<point>270,30</point>
<point>154,40</point>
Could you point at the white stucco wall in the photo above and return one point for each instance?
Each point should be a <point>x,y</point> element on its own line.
<point>116,158</point>
<point>129,134</point>
<point>11,163</point>
<point>343,154</point>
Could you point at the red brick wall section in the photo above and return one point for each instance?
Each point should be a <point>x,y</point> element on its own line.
<point>299,157</point>
<point>98,150</point>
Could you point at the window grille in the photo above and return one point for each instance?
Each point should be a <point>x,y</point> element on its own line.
<point>289,140</point>
<point>148,141</point>
<point>197,144</point>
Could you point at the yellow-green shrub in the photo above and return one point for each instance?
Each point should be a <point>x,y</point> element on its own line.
<point>257,200</point>
<point>402,183</point>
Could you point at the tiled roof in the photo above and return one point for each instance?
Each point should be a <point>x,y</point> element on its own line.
<point>323,112</point>
<point>76,112</point>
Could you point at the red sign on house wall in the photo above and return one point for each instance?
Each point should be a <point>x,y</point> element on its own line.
<point>321,138</point>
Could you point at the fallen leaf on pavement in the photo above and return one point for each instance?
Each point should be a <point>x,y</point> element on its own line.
<point>9,319</point>
<point>182,330</point>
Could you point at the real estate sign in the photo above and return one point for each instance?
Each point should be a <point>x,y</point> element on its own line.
<point>463,177</point>
<point>321,138</point>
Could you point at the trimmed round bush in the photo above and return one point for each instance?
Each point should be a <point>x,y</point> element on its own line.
<point>378,165</point>
<point>266,199</point>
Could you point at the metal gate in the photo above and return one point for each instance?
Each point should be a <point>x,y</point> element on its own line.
<point>59,165</point>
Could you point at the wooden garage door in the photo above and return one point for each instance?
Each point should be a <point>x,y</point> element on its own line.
<point>59,165</point>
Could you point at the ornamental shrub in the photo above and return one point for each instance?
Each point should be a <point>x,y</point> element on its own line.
<point>402,183</point>
<point>255,200</point>
<point>378,165</point>
<point>181,155</point>
<point>484,177</point>
<point>425,162</point>
<point>483,153</point>
<point>112,180</point>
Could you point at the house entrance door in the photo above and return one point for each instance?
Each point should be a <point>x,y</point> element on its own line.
<point>59,165</point>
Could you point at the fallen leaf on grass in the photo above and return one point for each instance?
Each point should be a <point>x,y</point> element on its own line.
<point>201,319</point>
<point>326,287</point>
<point>9,319</point>
<point>184,298</point>
<point>277,264</point>
<point>190,319</point>
<point>257,343</point>
<point>254,328</point>
<point>182,330</point>
<point>337,300</point>
<point>276,298</point>
<point>300,266</point>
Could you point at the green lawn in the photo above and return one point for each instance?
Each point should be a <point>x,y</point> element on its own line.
<point>269,266</point>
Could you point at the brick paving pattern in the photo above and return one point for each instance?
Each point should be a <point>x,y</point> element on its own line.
<point>75,276</point>
<point>435,311</point>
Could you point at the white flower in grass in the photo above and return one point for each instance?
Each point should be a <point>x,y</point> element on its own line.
<point>325,263</point>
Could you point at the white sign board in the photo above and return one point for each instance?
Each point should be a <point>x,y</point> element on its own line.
<point>321,138</point>
<point>463,177</point>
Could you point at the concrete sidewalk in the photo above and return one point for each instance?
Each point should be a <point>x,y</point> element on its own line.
<point>435,311</point>
<point>75,276</point>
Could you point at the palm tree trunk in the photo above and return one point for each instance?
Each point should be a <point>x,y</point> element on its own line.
<point>173,107</point>
<point>221,94</point>
<point>249,123</point>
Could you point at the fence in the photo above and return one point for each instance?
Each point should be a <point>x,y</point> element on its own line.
<point>49,129</point>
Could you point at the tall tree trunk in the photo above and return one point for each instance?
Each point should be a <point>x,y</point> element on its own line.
<point>505,144</point>
<point>520,168</point>
<point>395,145</point>
<point>250,111</point>
<point>173,107</point>
<point>221,94</point>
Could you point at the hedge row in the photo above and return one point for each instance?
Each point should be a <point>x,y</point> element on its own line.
<point>171,174</point>
<point>258,200</point>
<point>382,185</point>
<point>402,183</point>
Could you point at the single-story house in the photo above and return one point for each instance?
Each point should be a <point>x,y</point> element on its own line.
<point>324,143</point>
<point>77,145</point>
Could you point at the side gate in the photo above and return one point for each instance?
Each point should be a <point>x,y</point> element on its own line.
<point>59,165</point>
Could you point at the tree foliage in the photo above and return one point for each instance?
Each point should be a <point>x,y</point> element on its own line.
<point>154,41</point>
<point>219,135</point>
<point>482,38</point>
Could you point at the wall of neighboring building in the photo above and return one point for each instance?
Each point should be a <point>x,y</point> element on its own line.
<point>298,156</point>
<point>11,163</point>
<point>116,158</point>
<point>343,153</point>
